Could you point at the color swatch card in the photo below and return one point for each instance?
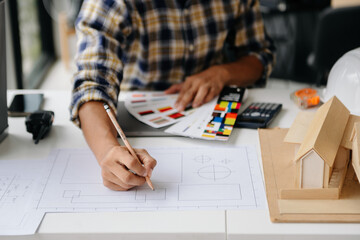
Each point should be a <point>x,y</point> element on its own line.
<point>214,120</point>
<point>155,109</point>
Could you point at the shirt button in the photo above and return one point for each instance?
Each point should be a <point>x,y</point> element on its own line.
<point>186,12</point>
<point>191,47</point>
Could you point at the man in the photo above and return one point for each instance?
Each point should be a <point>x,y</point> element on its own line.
<point>193,47</point>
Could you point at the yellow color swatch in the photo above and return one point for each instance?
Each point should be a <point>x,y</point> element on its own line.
<point>227,132</point>
<point>224,104</point>
<point>230,121</point>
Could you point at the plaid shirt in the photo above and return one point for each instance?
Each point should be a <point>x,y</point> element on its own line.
<point>151,44</point>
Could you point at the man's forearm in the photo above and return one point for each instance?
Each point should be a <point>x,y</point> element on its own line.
<point>98,130</point>
<point>243,72</point>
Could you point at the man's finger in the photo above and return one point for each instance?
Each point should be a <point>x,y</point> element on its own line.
<point>109,180</point>
<point>185,99</point>
<point>133,164</point>
<point>148,161</point>
<point>127,176</point>
<point>185,88</point>
<point>175,88</point>
<point>211,94</point>
<point>200,96</point>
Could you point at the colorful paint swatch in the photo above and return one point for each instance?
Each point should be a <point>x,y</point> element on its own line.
<point>159,120</point>
<point>230,121</point>
<point>224,104</point>
<point>217,119</point>
<point>176,115</point>
<point>235,105</point>
<point>164,109</point>
<point>206,135</point>
<point>144,113</point>
<point>210,131</point>
<point>136,95</point>
<point>138,101</point>
<point>219,108</point>
<point>231,115</point>
<point>223,119</point>
<point>227,132</point>
<point>230,118</point>
<point>216,114</point>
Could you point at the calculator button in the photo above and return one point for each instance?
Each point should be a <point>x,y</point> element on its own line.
<point>255,114</point>
<point>274,107</point>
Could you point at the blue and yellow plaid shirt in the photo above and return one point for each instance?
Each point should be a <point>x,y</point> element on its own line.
<point>152,44</point>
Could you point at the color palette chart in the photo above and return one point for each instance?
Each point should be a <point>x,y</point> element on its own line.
<point>222,120</point>
<point>214,120</point>
<point>155,109</point>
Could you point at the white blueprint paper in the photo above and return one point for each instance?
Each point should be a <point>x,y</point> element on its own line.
<point>184,178</point>
<point>19,180</point>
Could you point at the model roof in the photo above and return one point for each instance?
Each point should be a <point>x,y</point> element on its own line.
<point>325,131</point>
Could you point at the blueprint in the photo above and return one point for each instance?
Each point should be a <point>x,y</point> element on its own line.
<point>184,178</point>
<point>19,181</point>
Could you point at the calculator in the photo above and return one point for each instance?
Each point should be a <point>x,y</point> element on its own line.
<point>258,115</point>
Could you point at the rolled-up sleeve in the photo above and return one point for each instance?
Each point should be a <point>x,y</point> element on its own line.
<point>102,28</point>
<point>251,38</point>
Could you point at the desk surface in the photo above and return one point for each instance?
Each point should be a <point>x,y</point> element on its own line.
<point>231,224</point>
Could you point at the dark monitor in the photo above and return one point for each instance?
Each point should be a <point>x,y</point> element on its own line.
<point>3,88</point>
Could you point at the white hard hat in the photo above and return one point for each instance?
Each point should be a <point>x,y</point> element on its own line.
<point>344,81</point>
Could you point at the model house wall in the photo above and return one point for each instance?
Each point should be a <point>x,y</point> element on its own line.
<point>356,149</point>
<point>319,148</point>
<point>312,169</point>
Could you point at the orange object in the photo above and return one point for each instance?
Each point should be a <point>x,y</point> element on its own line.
<point>306,97</point>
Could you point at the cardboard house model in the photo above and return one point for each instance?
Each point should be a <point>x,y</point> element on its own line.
<point>356,149</point>
<point>323,143</point>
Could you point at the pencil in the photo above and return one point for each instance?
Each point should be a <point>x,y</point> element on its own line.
<point>123,137</point>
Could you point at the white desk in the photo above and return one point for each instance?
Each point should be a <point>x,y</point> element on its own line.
<point>246,224</point>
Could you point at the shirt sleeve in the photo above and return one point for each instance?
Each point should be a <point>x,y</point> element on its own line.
<point>102,28</point>
<point>251,38</point>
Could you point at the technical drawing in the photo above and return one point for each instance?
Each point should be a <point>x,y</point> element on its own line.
<point>12,188</point>
<point>214,172</point>
<point>138,195</point>
<point>225,161</point>
<point>202,159</point>
<point>183,178</point>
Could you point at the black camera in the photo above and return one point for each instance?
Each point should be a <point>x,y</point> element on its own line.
<point>39,124</point>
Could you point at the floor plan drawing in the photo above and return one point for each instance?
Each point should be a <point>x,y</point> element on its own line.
<point>18,182</point>
<point>184,178</point>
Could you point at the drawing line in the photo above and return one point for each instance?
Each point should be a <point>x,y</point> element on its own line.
<point>252,181</point>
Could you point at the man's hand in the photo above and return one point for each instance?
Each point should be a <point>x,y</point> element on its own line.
<point>116,164</point>
<point>200,88</point>
<point>115,161</point>
<point>203,87</point>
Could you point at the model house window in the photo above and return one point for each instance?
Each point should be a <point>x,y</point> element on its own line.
<point>32,37</point>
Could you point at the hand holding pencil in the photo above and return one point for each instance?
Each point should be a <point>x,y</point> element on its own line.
<point>127,144</point>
